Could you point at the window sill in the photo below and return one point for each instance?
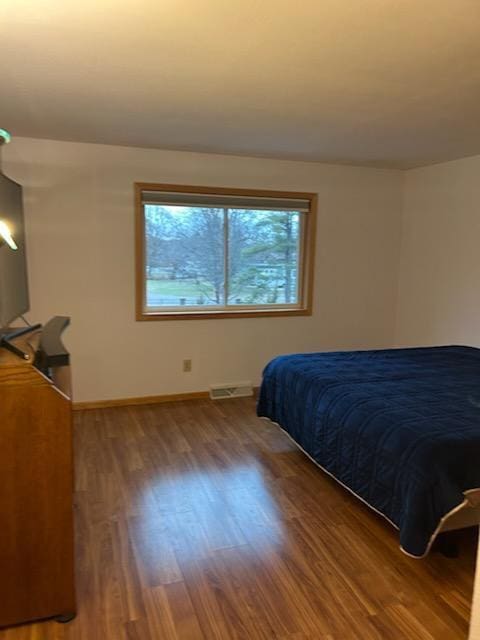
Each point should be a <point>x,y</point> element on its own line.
<point>220,315</point>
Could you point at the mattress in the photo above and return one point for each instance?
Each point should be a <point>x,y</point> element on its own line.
<point>400,428</point>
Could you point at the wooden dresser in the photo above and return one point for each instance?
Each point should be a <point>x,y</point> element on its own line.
<point>36,480</point>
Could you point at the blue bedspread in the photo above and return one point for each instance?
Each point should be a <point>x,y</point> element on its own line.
<point>400,427</point>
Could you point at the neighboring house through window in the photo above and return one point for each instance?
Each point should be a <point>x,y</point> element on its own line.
<point>206,252</point>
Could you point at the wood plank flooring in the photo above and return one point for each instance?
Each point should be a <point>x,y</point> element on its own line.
<point>198,521</point>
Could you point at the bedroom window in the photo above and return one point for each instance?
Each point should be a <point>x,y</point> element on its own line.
<point>222,253</point>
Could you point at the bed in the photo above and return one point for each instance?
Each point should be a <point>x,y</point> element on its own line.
<point>399,428</point>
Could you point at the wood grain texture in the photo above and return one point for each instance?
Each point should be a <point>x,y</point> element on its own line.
<point>36,488</point>
<point>127,402</point>
<point>15,371</point>
<point>198,521</point>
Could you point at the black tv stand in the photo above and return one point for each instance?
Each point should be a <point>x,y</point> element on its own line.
<point>9,334</point>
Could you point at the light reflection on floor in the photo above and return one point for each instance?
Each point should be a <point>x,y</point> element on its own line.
<point>208,510</point>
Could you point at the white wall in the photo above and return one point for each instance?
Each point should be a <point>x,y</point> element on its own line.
<point>439,282</point>
<point>79,210</point>
<point>475,616</point>
<point>439,276</point>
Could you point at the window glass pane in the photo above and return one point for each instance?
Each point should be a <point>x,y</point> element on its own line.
<point>263,257</point>
<point>184,256</point>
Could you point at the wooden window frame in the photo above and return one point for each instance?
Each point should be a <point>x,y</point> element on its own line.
<point>307,254</point>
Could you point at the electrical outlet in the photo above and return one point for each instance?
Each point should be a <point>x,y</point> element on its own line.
<point>187,366</point>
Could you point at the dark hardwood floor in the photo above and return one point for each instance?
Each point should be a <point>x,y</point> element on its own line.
<point>198,521</point>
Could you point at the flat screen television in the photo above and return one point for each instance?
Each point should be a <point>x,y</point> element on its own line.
<point>14,300</point>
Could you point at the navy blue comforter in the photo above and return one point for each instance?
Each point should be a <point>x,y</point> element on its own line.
<point>400,427</point>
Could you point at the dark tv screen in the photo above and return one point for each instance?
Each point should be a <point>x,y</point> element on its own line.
<point>14,300</point>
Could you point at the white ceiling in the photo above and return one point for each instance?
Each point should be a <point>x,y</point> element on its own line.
<point>391,83</point>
